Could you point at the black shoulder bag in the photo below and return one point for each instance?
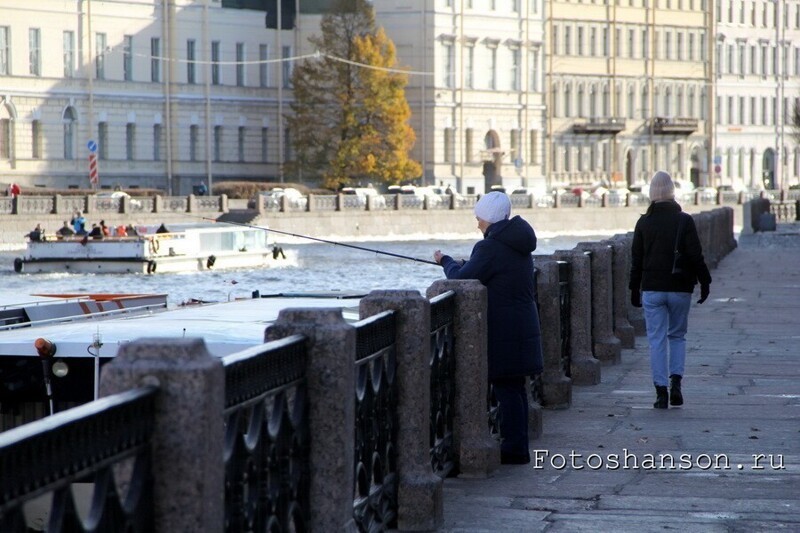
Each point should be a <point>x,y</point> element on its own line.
<point>678,267</point>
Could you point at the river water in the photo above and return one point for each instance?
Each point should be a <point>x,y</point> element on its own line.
<point>310,267</point>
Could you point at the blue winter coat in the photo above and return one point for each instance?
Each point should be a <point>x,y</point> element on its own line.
<point>502,262</point>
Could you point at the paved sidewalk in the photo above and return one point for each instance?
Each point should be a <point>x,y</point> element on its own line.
<point>742,394</point>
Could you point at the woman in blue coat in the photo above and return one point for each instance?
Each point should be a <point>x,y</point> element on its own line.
<point>502,262</point>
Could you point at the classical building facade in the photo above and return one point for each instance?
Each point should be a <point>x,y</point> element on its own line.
<point>519,93</point>
<point>169,96</point>
<point>475,88</point>
<point>757,82</point>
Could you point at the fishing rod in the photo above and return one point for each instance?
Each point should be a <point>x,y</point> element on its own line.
<point>317,239</point>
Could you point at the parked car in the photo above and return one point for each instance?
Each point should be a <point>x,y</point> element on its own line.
<point>117,197</point>
<point>272,198</point>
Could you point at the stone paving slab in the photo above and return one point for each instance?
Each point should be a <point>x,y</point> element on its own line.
<point>742,389</point>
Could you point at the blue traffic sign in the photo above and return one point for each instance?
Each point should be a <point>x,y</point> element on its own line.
<point>92,146</point>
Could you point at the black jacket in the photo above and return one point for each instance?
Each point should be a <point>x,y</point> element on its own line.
<point>652,251</point>
<point>502,262</point>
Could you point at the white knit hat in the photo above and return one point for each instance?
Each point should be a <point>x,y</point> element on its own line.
<point>493,207</point>
<point>661,187</point>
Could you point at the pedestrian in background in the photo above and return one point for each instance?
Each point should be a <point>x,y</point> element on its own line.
<point>502,262</point>
<point>665,288</point>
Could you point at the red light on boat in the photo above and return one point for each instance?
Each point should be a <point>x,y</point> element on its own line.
<point>45,348</point>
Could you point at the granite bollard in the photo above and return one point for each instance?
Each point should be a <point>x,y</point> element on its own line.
<point>621,268</point>
<point>585,368</point>
<point>420,490</point>
<point>607,347</point>
<point>479,454</point>
<point>331,396</point>
<point>188,446</point>
<point>556,386</point>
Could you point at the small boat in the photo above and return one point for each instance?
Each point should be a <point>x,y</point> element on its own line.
<point>184,248</point>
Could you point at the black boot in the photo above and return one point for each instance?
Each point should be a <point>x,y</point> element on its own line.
<point>661,397</point>
<point>675,396</point>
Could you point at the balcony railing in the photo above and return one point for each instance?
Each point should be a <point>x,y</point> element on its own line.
<point>611,125</point>
<point>667,125</point>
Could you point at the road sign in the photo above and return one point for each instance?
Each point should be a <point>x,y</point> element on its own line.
<point>717,159</point>
<point>717,169</point>
<point>92,146</point>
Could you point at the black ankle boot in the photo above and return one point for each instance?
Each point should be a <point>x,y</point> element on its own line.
<point>661,397</point>
<point>675,396</point>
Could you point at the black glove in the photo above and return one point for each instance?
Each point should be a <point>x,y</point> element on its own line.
<point>636,298</point>
<point>704,290</point>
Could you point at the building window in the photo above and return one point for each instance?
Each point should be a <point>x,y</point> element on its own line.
<point>240,71</point>
<point>554,40</point>
<point>5,138</point>
<point>287,144</point>
<point>534,84</point>
<point>469,68</point>
<point>449,145</point>
<point>264,145</point>
<point>679,47</point>
<point>102,140</point>
<point>579,106</point>
<point>593,41</point>
<point>515,69</point>
<point>69,118</point>
<point>568,100</point>
<point>533,154</point>
<point>668,45</point>
<point>448,64</point>
<point>742,109</point>
<point>34,52</point>
<point>605,42</point>
<point>130,141</point>
<point>155,60</point>
<point>731,59</point>
<point>567,40</point>
<point>690,55</point>
<point>645,103</point>
<point>157,134</point>
<point>215,78</point>
<point>631,43</point>
<point>492,68</point>
<point>36,139</point>
<point>263,66</point>
<point>127,58</point>
<point>554,92</point>
<point>217,143</point>
<point>753,60</point>
<point>631,101</point>
<point>5,51</point>
<point>191,57</point>
<point>240,137</point>
<point>469,135</point>
<point>581,43</point>
<point>679,103</point>
<point>69,54</point>
<point>286,65</point>
<point>100,56</point>
<point>618,43</point>
<point>516,153</point>
<point>194,133</point>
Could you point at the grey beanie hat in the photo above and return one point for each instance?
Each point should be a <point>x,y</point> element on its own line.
<point>493,207</point>
<point>661,187</point>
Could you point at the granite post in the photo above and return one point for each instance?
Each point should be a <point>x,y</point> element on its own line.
<point>420,490</point>
<point>556,386</point>
<point>188,445</point>
<point>635,314</point>
<point>621,269</point>
<point>584,367</point>
<point>332,411</point>
<point>479,454</point>
<point>607,348</point>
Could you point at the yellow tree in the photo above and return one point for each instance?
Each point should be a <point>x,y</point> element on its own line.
<point>349,120</point>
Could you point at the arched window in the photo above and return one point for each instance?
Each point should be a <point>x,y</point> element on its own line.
<point>70,119</point>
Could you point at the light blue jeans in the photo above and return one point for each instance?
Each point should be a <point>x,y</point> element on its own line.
<point>666,316</point>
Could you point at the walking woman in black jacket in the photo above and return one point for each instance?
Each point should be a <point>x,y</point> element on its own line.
<point>664,286</point>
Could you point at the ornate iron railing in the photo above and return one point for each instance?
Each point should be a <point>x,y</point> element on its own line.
<point>267,438</point>
<point>444,460</point>
<point>376,479</point>
<point>105,445</point>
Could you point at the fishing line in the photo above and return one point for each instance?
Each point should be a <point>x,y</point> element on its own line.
<point>317,239</point>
